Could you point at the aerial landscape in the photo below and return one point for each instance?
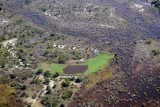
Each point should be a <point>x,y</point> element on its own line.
<point>79,53</point>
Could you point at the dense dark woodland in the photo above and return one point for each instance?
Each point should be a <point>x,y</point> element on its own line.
<point>50,30</point>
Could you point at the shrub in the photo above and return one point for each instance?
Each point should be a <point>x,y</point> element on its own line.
<point>25,78</point>
<point>54,86</point>
<point>21,50</point>
<point>13,84</point>
<point>148,42</point>
<point>35,81</point>
<point>28,2</point>
<point>48,102</point>
<point>48,89</point>
<point>56,74</point>
<point>67,94</point>
<point>52,34</point>
<point>155,52</point>
<point>46,53</point>
<point>12,76</point>
<point>156,3</point>
<point>46,81</point>
<point>62,105</point>
<point>19,22</point>
<point>72,79</point>
<point>62,59</point>
<point>121,91</point>
<point>24,94</point>
<point>1,9</point>
<point>78,80</point>
<point>66,83</point>
<point>39,71</point>
<point>34,96</point>
<point>47,74</point>
<point>24,87</point>
<point>77,56</point>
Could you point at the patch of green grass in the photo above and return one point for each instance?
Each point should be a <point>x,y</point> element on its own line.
<point>98,62</point>
<point>53,67</point>
<point>58,67</point>
<point>94,64</point>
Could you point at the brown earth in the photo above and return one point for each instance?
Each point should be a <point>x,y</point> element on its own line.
<point>75,69</point>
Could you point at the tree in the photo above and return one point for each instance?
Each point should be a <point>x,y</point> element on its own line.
<point>66,83</point>
<point>77,56</point>
<point>48,89</point>
<point>12,76</point>
<point>35,81</point>
<point>52,34</point>
<point>56,74</point>
<point>24,94</point>
<point>156,3</point>
<point>78,80</point>
<point>39,71</point>
<point>72,79</point>
<point>62,105</point>
<point>47,74</point>
<point>28,2</point>
<point>155,52</point>
<point>46,81</point>
<point>24,87</point>
<point>62,59</point>
<point>67,94</point>
<point>1,9</point>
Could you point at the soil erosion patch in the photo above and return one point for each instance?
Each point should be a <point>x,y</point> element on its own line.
<point>75,69</point>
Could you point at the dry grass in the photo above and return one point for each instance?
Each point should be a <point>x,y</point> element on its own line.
<point>99,76</point>
<point>5,94</point>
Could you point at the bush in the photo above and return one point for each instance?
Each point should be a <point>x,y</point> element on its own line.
<point>24,94</point>
<point>25,78</point>
<point>67,94</point>
<point>121,91</point>
<point>35,81</point>
<point>12,76</point>
<point>47,74</point>
<point>54,86</point>
<point>46,53</point>
<point>155,52</point>
<point>66,83</point>
<point>39,71</point>
<point>34,96</point>
<point>13,84</point>
<point>62,59</point>
<point>52,34</point>
<point>72,79</point>
<point>1,9</point>
<point>46,81</point>
<point>48,89</point>
<point>19,22</point>
<point>78,80</point>
<point>24,87</point>
<point>56,74</point>
<point>148,42</point>
<point>28,2</point>
<point>48,102</point>
<point>62,105</point>
<point>77,56</point>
